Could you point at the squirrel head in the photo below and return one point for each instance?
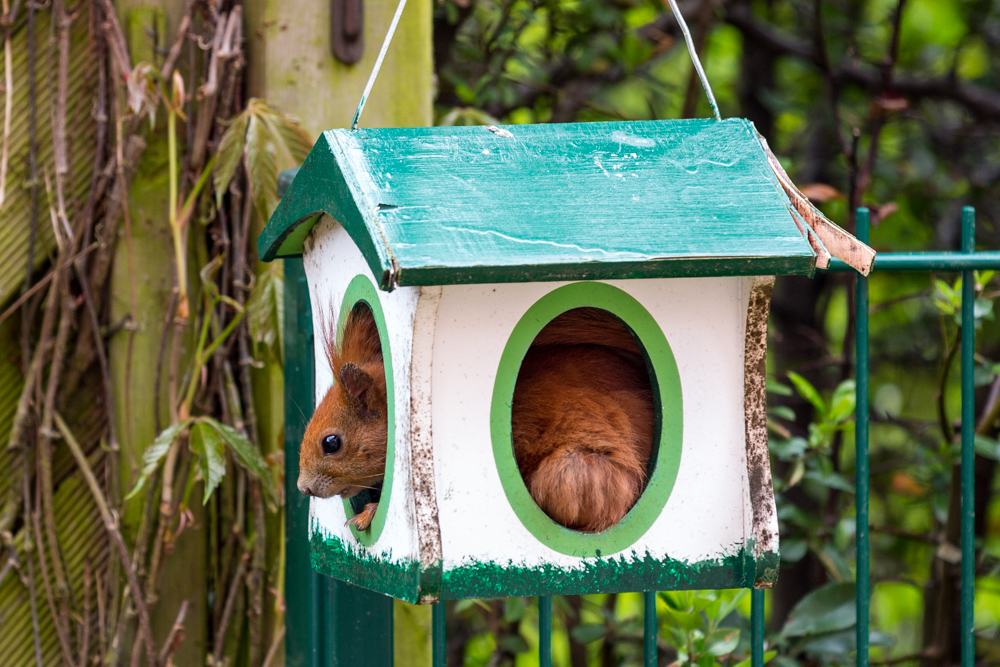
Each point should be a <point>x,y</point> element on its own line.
<point>344,447</point>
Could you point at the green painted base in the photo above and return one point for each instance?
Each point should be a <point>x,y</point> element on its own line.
<point>599,575</point>
<point>403,579</point>
<point>398,579</point>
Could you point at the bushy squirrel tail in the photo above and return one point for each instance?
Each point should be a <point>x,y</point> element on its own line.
<point>588,487</point>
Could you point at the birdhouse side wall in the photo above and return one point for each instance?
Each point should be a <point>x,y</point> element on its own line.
<point>701,537</point>
<point>387,562</point>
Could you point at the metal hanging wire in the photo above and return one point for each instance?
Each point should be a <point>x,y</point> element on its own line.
<point>694,57</point>
<point>378,63</point>
<point>673,8</point>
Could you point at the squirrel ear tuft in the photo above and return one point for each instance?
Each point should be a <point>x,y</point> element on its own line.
<point>355,380</point>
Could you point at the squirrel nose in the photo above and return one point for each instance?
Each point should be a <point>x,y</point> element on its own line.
<point>304,488</point>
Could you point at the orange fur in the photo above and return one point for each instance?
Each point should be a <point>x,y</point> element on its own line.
<point>359,420</point>
<point>582,420</point>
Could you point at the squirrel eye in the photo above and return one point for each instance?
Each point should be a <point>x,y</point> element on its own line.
<point>331,444</point>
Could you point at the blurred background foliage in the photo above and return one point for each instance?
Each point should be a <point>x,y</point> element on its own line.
<point>890,104</point>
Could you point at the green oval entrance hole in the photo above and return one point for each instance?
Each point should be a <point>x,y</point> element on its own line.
<point>361,293</point>
<point>634,336</point>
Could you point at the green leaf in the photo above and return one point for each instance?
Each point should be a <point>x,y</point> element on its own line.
<point>775,387</point>
<point>687,621</point>
<point>514,644</point>
<point>671,601</point>
<point>292,143</point>
<point>588,633</point>
<point>262,166</point>
<point>730,605</point>
<point>229,154</point>
<point>843,401</point>
<point>247,455</point>
<point>838,643</point>
<point>722,642</point>
<point>767,658</point>
<point>782,412</point>
<point>807,391</point>
<point>830,479</point>
<point>266,312</point>
<point>982,309</point>
<point>155,454</point>
<point>835,563</point>
<point>463,605</point>
<point>793,550</point>
<point>988,447</point>
<point>788,449</point>
<point>514,609</point>
<point>208,444</point>
<point>823,610</point>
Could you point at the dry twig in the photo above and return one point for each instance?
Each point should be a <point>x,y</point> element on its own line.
<point>111,525</point>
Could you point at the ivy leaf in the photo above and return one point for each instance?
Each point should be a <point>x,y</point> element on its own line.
<point>266,312</point>
<point>155,454</point>
<point>262,166</point>
<point>247,455</point>
<point>291,142</point>
<point>266,139</point>
<point>208,444</point>
<point>229,154</point>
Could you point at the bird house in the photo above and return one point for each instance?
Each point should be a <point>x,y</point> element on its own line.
<point>465,242</point>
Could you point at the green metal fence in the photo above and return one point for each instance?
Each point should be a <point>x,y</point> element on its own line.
<point>334,624</point>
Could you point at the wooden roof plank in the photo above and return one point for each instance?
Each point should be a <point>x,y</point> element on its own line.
<point>549,202</point>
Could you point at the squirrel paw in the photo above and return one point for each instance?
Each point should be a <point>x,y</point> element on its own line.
<point>363,519</point>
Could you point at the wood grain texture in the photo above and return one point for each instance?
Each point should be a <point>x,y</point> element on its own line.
<point>549,202</point>
<point>764,515</point>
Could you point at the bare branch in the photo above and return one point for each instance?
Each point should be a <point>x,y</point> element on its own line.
<point>981,102</point>
<point>111,525</point>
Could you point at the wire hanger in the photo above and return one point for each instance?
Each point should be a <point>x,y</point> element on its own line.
<point>399,11</point>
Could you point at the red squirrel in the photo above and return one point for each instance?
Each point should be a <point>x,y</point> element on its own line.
<point>344,448</point>
<point>582,420</point>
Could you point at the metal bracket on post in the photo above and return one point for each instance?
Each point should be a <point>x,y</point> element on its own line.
<point>347,30</point>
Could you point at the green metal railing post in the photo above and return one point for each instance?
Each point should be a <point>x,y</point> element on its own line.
<point>438,657</point>
<point>968,441</point>
<point>544,631</point>
<point>861,449</point>
<point>307,593</point>
<point>649,629</point>
<point>757,628</point>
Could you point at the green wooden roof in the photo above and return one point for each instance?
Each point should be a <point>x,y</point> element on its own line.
<point>518,203</point>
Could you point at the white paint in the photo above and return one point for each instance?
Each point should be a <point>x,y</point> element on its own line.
<point>331,260</point>
<point>703,320</point>
<point>421,429</point>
